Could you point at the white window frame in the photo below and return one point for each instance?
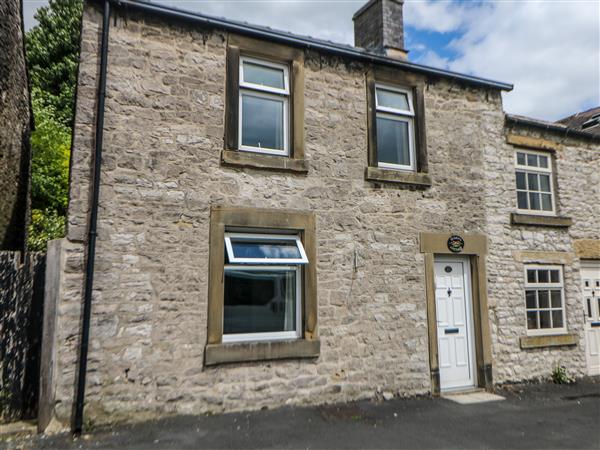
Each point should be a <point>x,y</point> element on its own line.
<point>400,115</point>
<point>268,238</point>
<point>277,335</point>
<point>537,170</point>
<point>266,92</point>
<point>546,286</point>
<point>268,265</point>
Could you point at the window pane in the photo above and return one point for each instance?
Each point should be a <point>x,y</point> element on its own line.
<point>258,301</point>
<point>531,320</point>
<point>543,300</point>
<point>557,320</point>
<point>530,299</point>
<point>543,276</point>
<point>531,160</point>
<point>521,183</point>
<point>545,183</point>
<point>392,142</point>
<point>265,249</point>
<point>521,158</point>
<point>554,276</point>
<point>531,276</point>
<point>532,180</point>
<point>556,299</point>
<point>522,200</point>
<point>262,122</point>
<point>546,202</point>
<point>391,99</point>
<point>545,319</point>
<point>543,161</point>
<point>263,75</point>
<point>589,307</point>
<point>534,200</point>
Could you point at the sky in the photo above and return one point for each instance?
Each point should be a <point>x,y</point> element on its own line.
<point>549,49</point>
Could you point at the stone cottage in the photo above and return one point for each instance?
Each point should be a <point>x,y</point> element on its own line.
<point>260,219</point>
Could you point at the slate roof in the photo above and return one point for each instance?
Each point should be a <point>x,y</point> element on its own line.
<point>587,121</point>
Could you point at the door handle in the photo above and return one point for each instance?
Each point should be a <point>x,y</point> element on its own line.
<point>451,331</point>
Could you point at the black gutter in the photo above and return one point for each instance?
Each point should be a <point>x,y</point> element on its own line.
<point>550,126</point>
<point>91,250</point>
<point>305,42</point>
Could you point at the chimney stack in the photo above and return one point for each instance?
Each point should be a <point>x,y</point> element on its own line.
<point>378,28</point>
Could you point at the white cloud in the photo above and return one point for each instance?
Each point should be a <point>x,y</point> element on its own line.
<point>549,50</point>
<point>431,58</point>
<point>438,16</point>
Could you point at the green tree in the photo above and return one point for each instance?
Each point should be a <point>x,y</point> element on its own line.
<point>52,50</point>
<point>50,152</point>
<point>52,53</point>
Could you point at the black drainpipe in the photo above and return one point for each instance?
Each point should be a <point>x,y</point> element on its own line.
<point>91,250</point>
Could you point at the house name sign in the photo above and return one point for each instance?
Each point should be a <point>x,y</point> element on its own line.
<point>456,243</point>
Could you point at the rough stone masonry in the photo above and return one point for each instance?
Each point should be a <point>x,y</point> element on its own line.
<point>161,174</point>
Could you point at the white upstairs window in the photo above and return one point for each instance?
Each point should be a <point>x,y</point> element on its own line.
<point>264,107</point>
<point>535,193</point>
<point>395,128</point>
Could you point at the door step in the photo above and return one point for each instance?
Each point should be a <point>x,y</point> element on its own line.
<point>472,396</point>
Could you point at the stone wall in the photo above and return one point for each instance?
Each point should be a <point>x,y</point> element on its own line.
<point>578,182</point>
<point>161,174</point>
<point>21,305</point>
<point>14,130</point>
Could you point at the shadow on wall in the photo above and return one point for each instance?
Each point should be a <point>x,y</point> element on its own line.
<point>21,314</point>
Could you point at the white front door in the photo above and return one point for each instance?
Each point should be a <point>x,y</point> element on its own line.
<point>590,278</point>
<point>454,323</point>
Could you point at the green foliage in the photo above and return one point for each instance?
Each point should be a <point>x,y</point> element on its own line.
<point>561,376</point>
<point>52,52</point>
<point>50,153</point>
<point>45,225</point>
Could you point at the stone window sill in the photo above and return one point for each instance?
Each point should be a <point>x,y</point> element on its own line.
<point>379,175</point>
<point>260,351</point>
<point>554,340</point>
<point>265,162</point>
<point>540,221</point>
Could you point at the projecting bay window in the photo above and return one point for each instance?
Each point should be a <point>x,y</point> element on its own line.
<point>263,107</point>
<point>262,287</point>
<point>395,128</point>
<point>534,183</point>
<point>544,300</point>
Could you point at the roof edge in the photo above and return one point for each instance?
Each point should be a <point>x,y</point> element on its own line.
<point>549,126</point>
<point>305,42</point>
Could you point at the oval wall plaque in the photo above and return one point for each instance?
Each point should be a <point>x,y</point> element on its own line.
<point>456,244</point>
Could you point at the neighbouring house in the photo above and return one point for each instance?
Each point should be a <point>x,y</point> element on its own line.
<point>588,121</point>
<point>15,127</point>
<point>283,220</point>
